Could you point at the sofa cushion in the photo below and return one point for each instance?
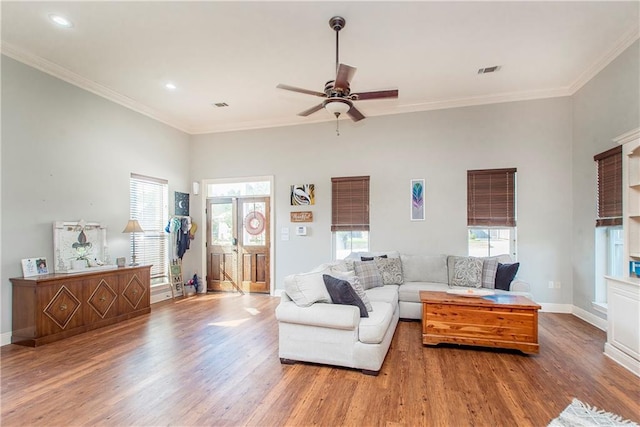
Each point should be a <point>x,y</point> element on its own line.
<point>505,275</point>
<point>358,255</point>
<point>354,281</point>
<point>387,293</point>
<point>342,293</point>
<point>424,268</point>
<point>368,274</point>
<point>467,272</point>
<point>373,329</point>
<point>307,288</point>
<point>390,269</point>
<point>410,291</point>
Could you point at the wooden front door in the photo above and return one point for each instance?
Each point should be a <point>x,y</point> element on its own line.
<point>238,242</point>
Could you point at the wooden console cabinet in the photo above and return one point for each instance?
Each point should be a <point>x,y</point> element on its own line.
<point>56,306</point>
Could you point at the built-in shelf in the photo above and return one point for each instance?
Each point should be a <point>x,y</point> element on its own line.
<point>623,294</point>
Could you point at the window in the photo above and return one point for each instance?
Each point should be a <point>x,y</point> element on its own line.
<point>149,205</point>
<point>491,212</point>
<point>609,187</point>
<point>609,236</point>
<point>349,215</point>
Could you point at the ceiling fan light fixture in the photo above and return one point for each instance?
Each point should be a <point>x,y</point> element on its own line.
<point>337,106</point>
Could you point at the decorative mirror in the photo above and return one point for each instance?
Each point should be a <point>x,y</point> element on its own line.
<point>80,246</point>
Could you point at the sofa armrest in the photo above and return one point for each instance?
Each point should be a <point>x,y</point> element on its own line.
<point>520,286</point>
<point>335,316</point>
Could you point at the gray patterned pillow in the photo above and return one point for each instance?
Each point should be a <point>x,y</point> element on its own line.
<point>368,274</point>
<point>467,272</point>
<point>391,270</point>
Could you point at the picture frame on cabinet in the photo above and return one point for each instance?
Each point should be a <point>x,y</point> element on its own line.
<point>34,266</point>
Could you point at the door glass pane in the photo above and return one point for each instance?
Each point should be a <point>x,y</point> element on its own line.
<point>221,223</point>
<point>254,224</point>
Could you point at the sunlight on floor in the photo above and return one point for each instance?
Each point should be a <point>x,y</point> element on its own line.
<point>230,323</point>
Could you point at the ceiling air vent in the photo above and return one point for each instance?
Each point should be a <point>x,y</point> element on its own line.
<point>220,104</point>
<point>489,69</point>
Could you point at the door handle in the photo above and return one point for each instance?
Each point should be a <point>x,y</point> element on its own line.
<point>234,241</point>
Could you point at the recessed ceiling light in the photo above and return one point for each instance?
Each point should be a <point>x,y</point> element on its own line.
<point>170,86</point>
<point>60,21</point>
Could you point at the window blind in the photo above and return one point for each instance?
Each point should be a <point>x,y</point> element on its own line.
<point>609,165</point>
<point>149,205</point>
<point>491,197</point>
<point>350,203</point>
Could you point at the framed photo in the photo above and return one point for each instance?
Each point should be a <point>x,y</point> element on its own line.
<point>34,267</point>
<point>417,200</point>
<point>303,195</point>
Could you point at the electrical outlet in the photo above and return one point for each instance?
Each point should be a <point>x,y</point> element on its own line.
<point>551,285</point>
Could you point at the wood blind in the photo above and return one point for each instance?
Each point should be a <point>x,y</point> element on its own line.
<point>149,205</point>
<point>609,187</point>
<point>491,197</point>
<point>350,203</point>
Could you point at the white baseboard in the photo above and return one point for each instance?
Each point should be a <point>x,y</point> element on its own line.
<point>591,318</point>
<point>5,338</point>
<point>278,292</point>
<point>622,359</point>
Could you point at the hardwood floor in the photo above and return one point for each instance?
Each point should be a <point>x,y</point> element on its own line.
<point>213,360</point>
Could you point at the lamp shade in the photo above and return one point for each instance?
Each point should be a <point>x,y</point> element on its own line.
<point>337,106</point>
<point>133,226</point>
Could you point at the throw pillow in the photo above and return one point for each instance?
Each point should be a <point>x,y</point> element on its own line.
<point>505,275</point>
<point>371,258</point>
<point>467,272</point>
<point>390,269</point>
<point>307,289</point>
<point>368,274</point>
<point>489,270</point>
<point>342,293</point>
<point>355,284</point>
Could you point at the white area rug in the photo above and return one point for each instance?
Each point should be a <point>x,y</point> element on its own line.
<point>579,414</point>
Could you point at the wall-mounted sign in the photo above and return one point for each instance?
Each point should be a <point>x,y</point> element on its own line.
<point>306,216</point>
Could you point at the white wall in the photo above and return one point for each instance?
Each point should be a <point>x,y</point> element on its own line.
<point>440,146</point>
<point>606,107</point>
<point>67,155</point>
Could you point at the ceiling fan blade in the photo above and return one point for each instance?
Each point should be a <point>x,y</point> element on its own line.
<point>343,76</point>
<point>355,114</point>
<point>311,110</point>
<point>377,94</point>
<point>300,90</point>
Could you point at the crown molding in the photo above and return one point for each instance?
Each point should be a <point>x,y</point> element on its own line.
<point>623,43</point>
<point>68,76</point>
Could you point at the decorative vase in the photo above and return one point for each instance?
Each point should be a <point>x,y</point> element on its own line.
<point>78,264</point>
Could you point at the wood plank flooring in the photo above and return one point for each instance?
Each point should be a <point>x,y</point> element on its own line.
<point>213,360</point>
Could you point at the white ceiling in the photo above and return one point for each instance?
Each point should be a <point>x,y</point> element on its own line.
<point>237,52</point>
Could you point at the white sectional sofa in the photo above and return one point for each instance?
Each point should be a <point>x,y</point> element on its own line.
<point>313,329</point>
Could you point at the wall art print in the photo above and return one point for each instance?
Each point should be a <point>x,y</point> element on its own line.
<point>182,204</point>
<point>302,195</point>
<point>417,200</point>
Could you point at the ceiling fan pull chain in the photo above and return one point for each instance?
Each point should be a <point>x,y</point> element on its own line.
<point>337,126</point>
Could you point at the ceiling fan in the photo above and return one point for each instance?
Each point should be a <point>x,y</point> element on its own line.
<point>337,93</point>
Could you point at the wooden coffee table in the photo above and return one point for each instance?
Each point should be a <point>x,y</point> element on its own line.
<point>501,321</point>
